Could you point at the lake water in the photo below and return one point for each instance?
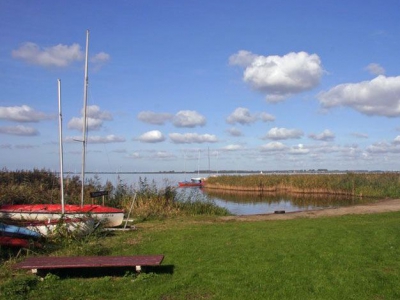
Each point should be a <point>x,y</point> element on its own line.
<point>237,203</point>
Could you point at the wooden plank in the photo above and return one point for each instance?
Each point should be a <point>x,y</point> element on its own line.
<point>46,262</point>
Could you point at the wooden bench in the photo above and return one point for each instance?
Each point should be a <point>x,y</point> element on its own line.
<point>54,262</point>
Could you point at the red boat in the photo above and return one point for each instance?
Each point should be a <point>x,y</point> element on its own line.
<point>38,212</point>
<point>194,182</point>
<point>10,241</point>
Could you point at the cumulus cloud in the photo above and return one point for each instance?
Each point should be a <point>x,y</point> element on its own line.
<point>273,147</point>
<point>19,130</point>
<point>383,147</point>
<point>109,139</point>
<point>234,131</point>
<point>188,118</point>
<point>279,76</point>
<point>375,69</point>
<point>134,155</point>
<point>95,119</point>
<point>299,150</point>
<point>105,139</point>
<point>189,138</point>
<point>265,117</point>
<point>233,147</point>
<point>154,118</point>
<point>283,134</point>
<point>22,113</point>
<point>56,56</point>
<point>380,96</point>
<point>154,136</point>
<point>163,155</point>
<point>241,115</point>
<point>360,135</point>
<point>326,135</point>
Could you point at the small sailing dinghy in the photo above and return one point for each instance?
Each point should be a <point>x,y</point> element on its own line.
<point>109,216</point>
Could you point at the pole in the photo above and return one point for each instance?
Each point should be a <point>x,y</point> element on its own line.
<point>84,128</point>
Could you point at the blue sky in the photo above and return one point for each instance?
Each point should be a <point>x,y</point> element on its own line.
<point>173,85</point>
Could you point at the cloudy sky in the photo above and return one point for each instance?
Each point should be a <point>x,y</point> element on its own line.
<point>173,85</point>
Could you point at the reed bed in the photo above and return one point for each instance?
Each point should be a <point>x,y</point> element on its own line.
<point>150,201</point>
<point>349,184</point>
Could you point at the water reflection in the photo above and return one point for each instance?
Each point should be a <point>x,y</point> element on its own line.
<point>246,203</point>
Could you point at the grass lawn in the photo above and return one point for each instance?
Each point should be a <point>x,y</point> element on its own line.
<point>349,257</point>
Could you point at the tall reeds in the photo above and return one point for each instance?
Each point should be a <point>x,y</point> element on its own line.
<point>349,184</point>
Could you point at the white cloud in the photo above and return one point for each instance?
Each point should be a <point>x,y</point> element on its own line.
<point>234,147</point>
<point>134,155</point>
<point>22,113</point>
<point>234,131</point>
<point>241,115</point>
<point>56,56</point>
<point>154,118</point>
<point>273,147</point>
<point>279,76</point>
<point>19,130</point>
<point>163,155</point>
<point>283,134</point>
<point>265,117</point>
<point>299,150</point>
<point>96,139</point>
<point>360,135</point>
<point>154,136</point>
<point>243,58</point>
<point>94,112</point>
<point>326,135</point>
<point>188,118</point>
<point>95,119</point>
<point>100,58</point>
<point>396,140</point>
<point>189,138</point>
<point>375,69</point>
<point>380,96</point>
<point>105,139</point>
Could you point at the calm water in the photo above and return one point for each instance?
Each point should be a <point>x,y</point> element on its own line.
<point>238,203</point>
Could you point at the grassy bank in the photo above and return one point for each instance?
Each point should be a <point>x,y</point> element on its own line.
<point>349,184</point>
<point>350,257</point>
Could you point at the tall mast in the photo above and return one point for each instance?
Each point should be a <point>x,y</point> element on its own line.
<point>84,129</point>
<point>61,149</point>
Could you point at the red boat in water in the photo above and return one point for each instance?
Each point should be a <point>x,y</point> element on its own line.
<point>194,182</point>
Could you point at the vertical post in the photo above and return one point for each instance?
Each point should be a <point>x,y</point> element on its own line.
<point>84,128</point>
<point>61,148</point>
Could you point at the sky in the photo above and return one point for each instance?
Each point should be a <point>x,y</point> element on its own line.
<point>188,84</point>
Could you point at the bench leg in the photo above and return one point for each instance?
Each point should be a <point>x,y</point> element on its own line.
<point>138,268</point>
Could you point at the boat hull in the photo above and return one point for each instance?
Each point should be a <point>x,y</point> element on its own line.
<point>17,232</point>
<point>111,217</point>
<point>8,241</point>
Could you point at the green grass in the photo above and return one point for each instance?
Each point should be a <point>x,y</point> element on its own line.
<point>349,257</point>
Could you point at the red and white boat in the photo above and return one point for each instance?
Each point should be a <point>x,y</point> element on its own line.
<point>9,241</point>
<point>194,182</point>
<point>109,216</point>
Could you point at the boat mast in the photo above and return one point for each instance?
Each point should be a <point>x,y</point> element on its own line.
<point>61,149</point>
<point>84,128</point>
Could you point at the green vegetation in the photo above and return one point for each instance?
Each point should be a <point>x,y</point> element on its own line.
<point>350,184</point>
<point>151,202</point>
<point>350,257</point>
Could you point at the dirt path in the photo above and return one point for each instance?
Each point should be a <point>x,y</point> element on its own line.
<point>386,205</point>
